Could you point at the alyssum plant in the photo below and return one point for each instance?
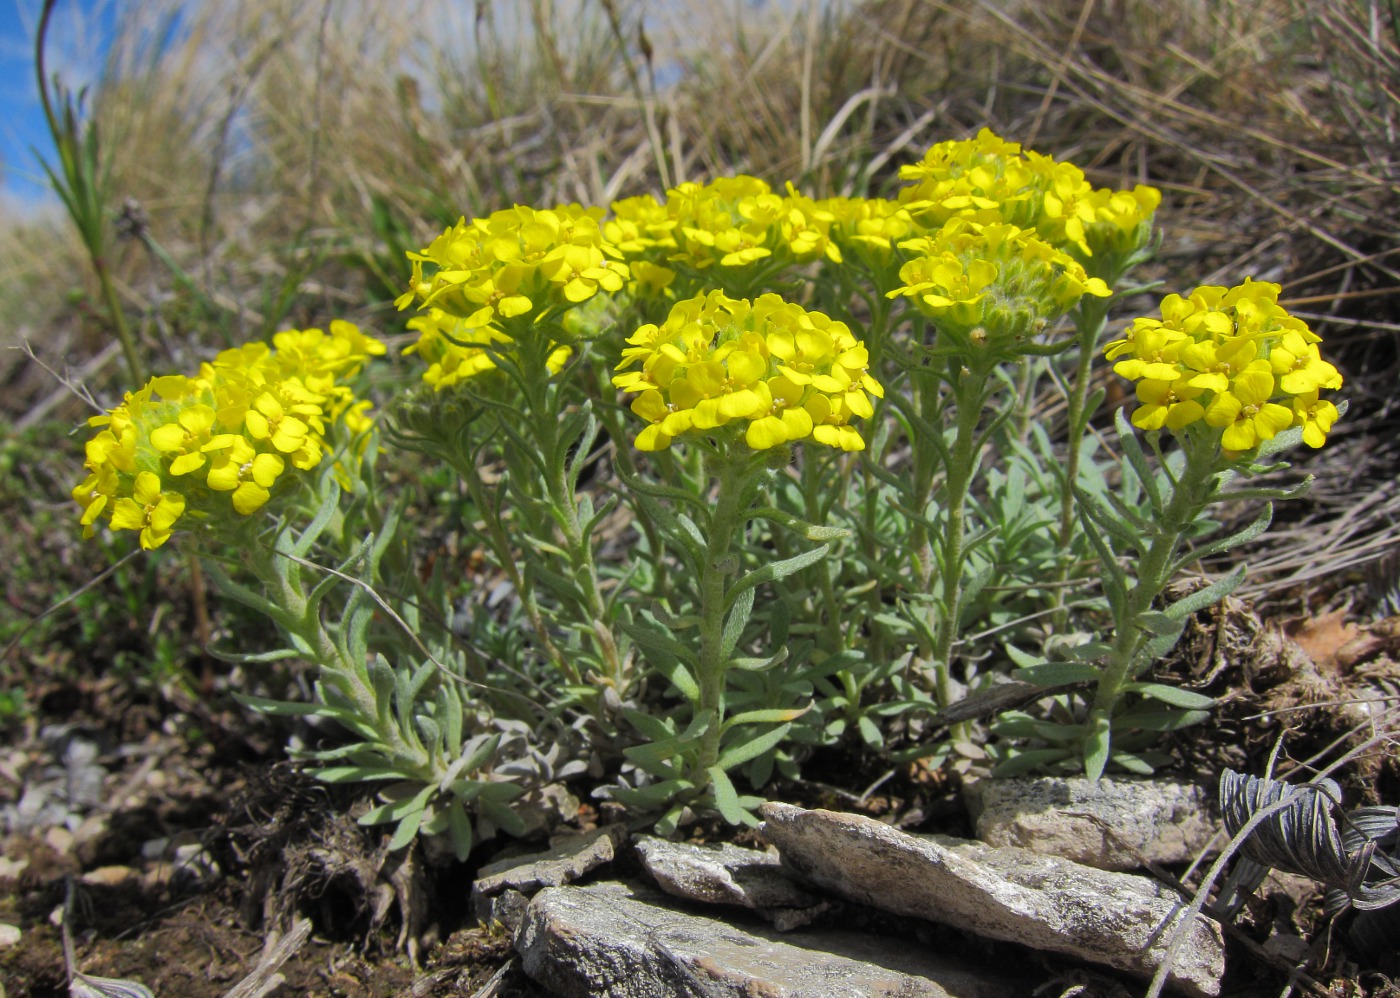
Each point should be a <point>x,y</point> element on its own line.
<point>740,470</point>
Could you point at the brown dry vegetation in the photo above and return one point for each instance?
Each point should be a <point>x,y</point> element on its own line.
<point>280,155</point>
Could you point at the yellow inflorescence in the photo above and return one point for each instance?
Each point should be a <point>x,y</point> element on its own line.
<point>180,443</point>
<point>786,373</point>
<point>520,261</point>
<point>1233,359</point>
<point>989,180</point>
<point>993,276</point>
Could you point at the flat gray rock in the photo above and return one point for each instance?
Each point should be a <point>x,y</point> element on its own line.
<point>1004,893</point>
<point>1113,824</point>
<point>610,940</point>
<point>567,861</point>
<point>722,873</point>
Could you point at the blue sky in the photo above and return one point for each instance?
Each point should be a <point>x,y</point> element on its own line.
<point>77,41</point>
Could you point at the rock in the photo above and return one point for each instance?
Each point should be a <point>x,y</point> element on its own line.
<point>507,907</point>
<point>1112,824</point>
<point>9,935</point>
<point>59,839</point>
<point>610,940</point>
<point>110,876</point>
<point>567,861</point>
<point>182,862</point>
<point>721,873</point>
<point>1004,893</point>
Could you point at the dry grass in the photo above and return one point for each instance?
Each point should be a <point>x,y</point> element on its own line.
<point>285,152</point>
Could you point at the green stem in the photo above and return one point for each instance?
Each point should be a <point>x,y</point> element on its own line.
<point>1198,484</point>
<point>1089,321</point>
<point>546,413</point>
<point>971,390</point>
<point>726,520</point>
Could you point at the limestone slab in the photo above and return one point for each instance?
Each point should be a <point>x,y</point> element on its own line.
<point>1004,893</point>
<point>612,940</point>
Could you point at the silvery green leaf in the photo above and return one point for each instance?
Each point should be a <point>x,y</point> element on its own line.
<point>775,570</point>
<point>1058,673</point>
<point>1030,760</point>
<point>736,755</point>
<point>870,732</point>
<point>1133,763</point>
<point>651,795</point>
<point>459,827</point>
<point>1160,623</point>
<point>86,986</point>
<point>1150,717</point>
<point>504,818</point>
<point>774,715</point>
<point>407,830</point>
<point>759,664</point>
<point>1089,651</point>
<point>734,623</point>
<point>356,774</point>
<point>727,799</point>
<point>650,725</point>
<point>1023,658</point>
<point>811,531</point>
<point>1208,596</point>
<point>1097,743</point>
<point>1132,450</point>
<point>1173,695</point>
<point>1243,536</point>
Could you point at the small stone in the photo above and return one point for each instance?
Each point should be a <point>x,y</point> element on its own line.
<point>1113,824</point>
<point>9,935</point>
<point>181,862</point>
<point>110,876</point>
<point>566,862</point>
<point>1288,948</point>
<point>721,873</point>
<point>1004,893</point>
<point>611,940</point>
<point>10,869</point>
<point>59,839</point>
<point>507,908</point>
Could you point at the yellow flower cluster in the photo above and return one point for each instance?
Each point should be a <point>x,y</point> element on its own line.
<point>1232,358</point>
<point>180,443</point>
<point>988,180</point>
<point>789,374</point>
<point>730,222</point>
<point>991,285</point>
<point>517,262</point>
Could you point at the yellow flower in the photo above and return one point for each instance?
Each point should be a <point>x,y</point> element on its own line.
<point>1245,412</point>
<point>185,437</point>
<point>94,494</point>
<point>1315,417</point>
<point>1167,403</point>
<point>1300,366</point>
<point>269,420</point>
<point>240,469</point>
<point>149,510</point>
